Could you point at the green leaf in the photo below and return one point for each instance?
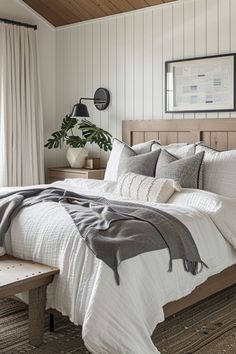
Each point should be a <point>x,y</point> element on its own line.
<point>89,131</point>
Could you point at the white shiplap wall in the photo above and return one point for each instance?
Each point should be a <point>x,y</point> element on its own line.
<point>126,54</point>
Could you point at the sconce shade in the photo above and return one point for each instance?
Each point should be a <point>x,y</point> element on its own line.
<point>79,110</point>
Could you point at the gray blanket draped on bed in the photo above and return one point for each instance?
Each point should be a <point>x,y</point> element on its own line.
<point>113,230</point>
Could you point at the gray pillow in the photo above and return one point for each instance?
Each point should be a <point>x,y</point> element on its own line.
<point>144,164</point>
<point>121,151</point>
<point>186,171</point>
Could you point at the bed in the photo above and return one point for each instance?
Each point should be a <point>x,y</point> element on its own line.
<point>121,319</point>
<point>217,133</point>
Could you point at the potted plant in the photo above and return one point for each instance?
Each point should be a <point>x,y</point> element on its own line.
<point>88,133</point>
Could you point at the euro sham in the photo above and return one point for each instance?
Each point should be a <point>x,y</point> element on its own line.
<point>219,171</point>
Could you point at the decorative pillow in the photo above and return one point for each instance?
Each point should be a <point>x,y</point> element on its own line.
<point>134,186</point>
<point>186,171</point>
<point>180,150</point>
<point>219,171</point>
<point>121,151</point>
<point>144,164</point>
<point>143,148</point>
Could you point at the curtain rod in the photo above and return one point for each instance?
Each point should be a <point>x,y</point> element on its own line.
<point>18,23</point>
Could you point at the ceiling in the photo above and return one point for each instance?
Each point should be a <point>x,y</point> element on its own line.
<point>64,12</point>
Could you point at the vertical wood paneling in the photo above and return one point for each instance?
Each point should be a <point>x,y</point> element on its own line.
<point>212,8</point>
<point>148,65</point>
<point>59,95</point>
<point>167,46</point>
<point>200,35</point>
<point>138,66</point>
<point>184,137</point>
<point>168,137</point>
<point>233,34</point>
<point>120,68</point>
<point>157,64</point>
<point>224,32</point>
<point>66,91</point>
<point>89,71</point>
<point>89,64</point>
<point>129,67</point>
<point>126,54</point>
<point>189,35</point>
<point>138,137</point>
<point>68,74</point>
<point>112,45</point>
<point>151,136</point>
<point>231,140</point>
<point>178,43</point>
<point>104,79</point>
<point>96,114</point>
<point>219,140</point>
<point>206,138</point>
<point>81,63</point>
<point>73,63</point>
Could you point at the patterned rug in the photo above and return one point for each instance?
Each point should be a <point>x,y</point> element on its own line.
<point>206,328</point>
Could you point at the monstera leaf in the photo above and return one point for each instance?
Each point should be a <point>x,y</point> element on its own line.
<point>88,133</point>
<point>96,135</point>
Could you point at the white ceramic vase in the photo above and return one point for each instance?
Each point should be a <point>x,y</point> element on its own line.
<point>76,157</point>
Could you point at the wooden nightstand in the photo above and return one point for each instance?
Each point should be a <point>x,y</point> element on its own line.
<point>60,173</point>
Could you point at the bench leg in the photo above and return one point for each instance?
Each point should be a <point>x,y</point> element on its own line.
<point>37,306</point>
<point>51,323</point>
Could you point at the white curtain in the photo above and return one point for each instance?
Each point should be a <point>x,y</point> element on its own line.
<point>21,118</point>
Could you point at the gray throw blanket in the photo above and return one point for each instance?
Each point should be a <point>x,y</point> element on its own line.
<point>113,230</point>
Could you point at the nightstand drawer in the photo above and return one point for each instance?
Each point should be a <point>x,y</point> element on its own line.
<point>61,173</point>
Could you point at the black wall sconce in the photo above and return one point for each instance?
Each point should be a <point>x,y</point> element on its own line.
<point>101,101</point>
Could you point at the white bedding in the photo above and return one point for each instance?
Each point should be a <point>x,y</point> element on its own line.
<point>121,319</point>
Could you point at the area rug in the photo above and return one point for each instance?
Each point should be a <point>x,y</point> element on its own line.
<point>206,328</point>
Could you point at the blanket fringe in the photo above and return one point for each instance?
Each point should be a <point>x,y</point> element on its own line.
<point>193,267</point>
<point>117,277</point>
<point>170,265</point>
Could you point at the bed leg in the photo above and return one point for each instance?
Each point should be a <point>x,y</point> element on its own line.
<point>51,323</point>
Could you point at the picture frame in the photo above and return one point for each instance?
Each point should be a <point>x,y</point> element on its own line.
<point>202,84</point>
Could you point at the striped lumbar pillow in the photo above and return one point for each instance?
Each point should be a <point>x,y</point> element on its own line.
<point>139,187</point>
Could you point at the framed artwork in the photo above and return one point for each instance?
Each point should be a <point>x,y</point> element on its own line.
<point>206,84</point>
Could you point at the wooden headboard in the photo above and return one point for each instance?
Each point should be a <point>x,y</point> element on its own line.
<point>218,133</point>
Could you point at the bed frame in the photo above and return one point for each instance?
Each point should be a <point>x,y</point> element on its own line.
<point>218,133</point>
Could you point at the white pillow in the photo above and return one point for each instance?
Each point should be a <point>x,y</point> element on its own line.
<point>121,151</point>
<point>219,171</point>
<point>146,147</point>
<point>180,150</point>
<point>138,187</point>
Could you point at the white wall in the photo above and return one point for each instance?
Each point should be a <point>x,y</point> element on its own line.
<point>126,54</point>
<point>16,10</point>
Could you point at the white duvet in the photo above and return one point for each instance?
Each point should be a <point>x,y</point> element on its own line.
<point>121,319</point>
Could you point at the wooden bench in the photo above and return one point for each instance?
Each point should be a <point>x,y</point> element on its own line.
<point>18,276</point>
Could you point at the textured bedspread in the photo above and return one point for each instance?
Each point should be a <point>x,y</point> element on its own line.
<point>113,230</point>
<point>121,319</point>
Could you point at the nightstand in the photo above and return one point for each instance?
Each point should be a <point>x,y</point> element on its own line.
<point>60,173</point>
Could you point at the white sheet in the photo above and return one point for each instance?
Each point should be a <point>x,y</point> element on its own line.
<point>120,319</point>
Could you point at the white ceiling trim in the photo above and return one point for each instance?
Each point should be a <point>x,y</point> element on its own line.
<point>36,14</point>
